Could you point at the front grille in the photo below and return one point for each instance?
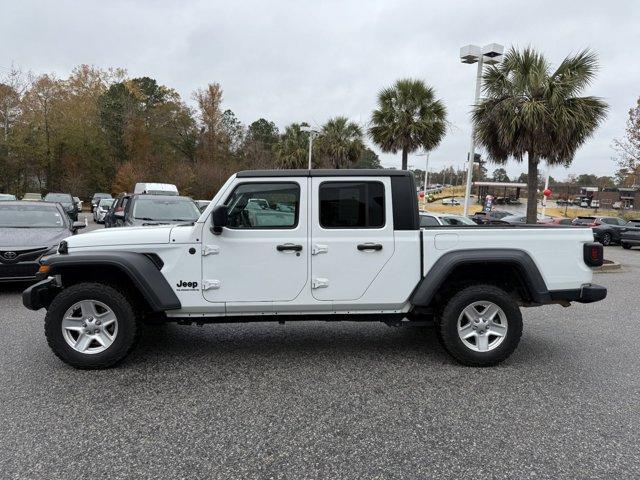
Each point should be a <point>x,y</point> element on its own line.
<point>28,255</point>
<point>19,270</point>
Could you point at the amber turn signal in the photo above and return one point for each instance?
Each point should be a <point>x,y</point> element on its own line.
<point>44,269</point>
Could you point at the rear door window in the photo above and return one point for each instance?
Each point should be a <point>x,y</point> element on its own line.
<point>352,205</point>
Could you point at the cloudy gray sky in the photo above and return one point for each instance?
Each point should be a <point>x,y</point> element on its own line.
<point>301,60</point>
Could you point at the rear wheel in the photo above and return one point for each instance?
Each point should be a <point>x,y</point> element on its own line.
<point>481,326</point>
<point>606,239</point>
<point>91,325</point>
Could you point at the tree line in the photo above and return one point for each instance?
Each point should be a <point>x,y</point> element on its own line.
<point>98,130</point>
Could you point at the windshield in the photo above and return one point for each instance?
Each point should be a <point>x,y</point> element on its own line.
<point>457,220</point>
<point>164,208</point>
<point>58,197</point>
<point>106,202</point>
<point>30,216</point>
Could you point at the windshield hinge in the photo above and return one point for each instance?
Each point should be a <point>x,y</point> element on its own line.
<point>320,283</point>
<point>317,248</point>
<point>210,250</point>
<point>211,285</point>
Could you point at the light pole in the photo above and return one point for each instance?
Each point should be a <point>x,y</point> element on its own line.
<point>312,134</point>
<point>489,54</point>
<point>426,171</point>
<point>426,176</point>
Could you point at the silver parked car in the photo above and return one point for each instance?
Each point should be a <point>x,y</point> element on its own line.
<point>104,204</point>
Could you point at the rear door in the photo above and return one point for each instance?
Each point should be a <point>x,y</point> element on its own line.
<point>351,235</point>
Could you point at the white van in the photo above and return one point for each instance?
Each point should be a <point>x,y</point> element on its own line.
<point>156,188</point>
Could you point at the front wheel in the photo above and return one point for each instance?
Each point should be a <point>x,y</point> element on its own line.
<point>626,246</point>
<point>91,325</point>
<point>481,326</point>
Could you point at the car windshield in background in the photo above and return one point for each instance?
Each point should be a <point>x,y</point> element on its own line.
<point>58,197</point>
<point>153,207</point>
<point>106,202</point>
<point>30,216</point>
<point>457,220</point>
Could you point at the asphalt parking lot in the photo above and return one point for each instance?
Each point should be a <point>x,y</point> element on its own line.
<point>331,400</point>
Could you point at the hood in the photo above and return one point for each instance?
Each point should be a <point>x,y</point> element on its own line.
<point>32,237</point>
<point>121,236</point>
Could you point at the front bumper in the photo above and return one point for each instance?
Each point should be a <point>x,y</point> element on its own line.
<point>40,294</point>
<point>588,293</point>
<point>18,272</point>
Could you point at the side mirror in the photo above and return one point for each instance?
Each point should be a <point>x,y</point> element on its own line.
<point>219,219</point>
<point>77,226</point>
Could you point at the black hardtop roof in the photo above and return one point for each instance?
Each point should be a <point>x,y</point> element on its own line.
<point>321,172</point>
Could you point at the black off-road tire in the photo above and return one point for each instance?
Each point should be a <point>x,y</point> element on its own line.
<point>128,325</point>
<point>449,326</point>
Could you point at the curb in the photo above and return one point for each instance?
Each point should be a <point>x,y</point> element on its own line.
<point>610,265</point>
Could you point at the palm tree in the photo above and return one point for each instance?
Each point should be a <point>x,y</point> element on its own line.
<point>340,143</point>
<point>529,109</point>
<point>408,117</point>
<point>292,148</point>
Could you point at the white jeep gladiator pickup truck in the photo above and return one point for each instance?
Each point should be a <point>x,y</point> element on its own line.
<point>311,245</point>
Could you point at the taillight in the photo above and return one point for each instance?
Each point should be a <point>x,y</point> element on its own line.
<point>593,254</point>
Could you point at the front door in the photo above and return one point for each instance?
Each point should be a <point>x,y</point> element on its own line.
<point>351,235</point>
<point>262,255</point>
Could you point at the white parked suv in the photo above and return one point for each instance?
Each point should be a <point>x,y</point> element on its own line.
<point>311,245</point>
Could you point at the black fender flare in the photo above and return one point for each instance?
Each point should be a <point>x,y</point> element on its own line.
<point>430,284</point>
<point>143,271</point>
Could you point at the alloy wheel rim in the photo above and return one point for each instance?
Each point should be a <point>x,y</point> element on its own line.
<point>89,327</point>
<point>482,326</point>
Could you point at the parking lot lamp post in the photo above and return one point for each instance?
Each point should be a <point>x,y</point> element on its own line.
<point>312,134</point>
<point>489,54</point>
<point>544,197</point>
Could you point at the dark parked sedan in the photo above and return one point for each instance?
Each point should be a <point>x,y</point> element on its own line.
<point>606,230</point>
<point>145,210</point>
<point>29,230</point>
<point>67,202</point>
<point>488,217</point>
<point>630,237</point>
